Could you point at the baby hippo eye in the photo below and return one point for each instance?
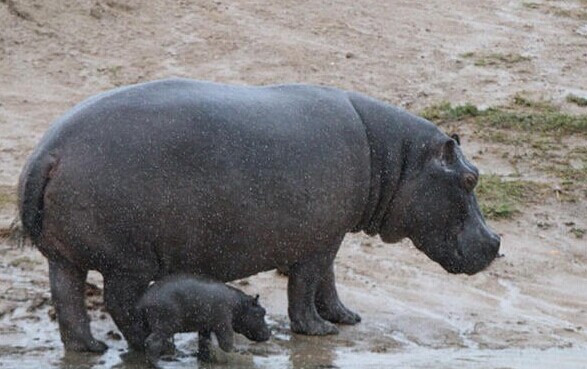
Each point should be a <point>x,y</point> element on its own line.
<point>470,181</point>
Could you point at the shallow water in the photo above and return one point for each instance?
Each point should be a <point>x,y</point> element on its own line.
<point>571,358</point>
<point>24,349</point>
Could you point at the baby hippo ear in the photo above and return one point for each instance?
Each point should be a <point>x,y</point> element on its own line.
<point>257,299</point>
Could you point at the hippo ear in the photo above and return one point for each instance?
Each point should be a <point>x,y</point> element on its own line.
<point>456,137</point>
<point>449,154</point>
<point>257,299</point>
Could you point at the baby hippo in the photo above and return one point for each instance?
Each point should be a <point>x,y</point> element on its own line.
<point>186,303</point>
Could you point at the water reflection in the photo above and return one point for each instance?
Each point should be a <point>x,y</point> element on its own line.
<point>311,352</point>
<point>79,360</point>
<point>131,360</point>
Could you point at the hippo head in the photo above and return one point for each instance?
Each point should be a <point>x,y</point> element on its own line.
<point>249,319</point>
<point>435,206</point>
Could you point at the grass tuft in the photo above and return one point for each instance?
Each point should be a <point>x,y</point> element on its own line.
<point>524,115</point>
<point>7,196</point>
<point>447,112</point>
<point>501,199</point>
<point>581,101</point>
<point>496,59</point>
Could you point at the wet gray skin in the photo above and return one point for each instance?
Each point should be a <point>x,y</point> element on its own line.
<point>181,176</point>
<point>184,303</point>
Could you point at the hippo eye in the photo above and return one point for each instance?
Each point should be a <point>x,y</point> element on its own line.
<point>470,181</point>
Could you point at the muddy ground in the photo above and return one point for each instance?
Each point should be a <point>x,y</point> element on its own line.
<point>528,310</point>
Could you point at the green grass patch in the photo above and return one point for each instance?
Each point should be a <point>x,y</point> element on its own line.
<point>467,55</point>
<point>578,232</point>
<point>503,199</point>
<point>523,115</point>
<point>554,122</point>
<point>529,104</point>
<point>581,101</point>
<point>7,196</point>
<point>447,112</point>
<point>577,13</point>
<point>567,173</point>
<point>496,59</point>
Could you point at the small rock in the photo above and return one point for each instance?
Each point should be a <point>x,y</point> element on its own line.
<point>349,55</point>
<point>544,225</point>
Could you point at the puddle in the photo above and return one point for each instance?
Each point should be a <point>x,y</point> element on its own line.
<point>34,344</point>
<point>571,358</point>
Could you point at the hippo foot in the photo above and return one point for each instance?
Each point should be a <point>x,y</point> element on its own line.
<point>338,314</point>
<point>314,327</point>
<point>168,348</point>
<point>205,356</point>
<point>91,345</point>
<point>283,270</point>
<point>153,362</point>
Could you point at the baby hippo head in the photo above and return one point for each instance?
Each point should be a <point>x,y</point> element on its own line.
<point>249,319</point>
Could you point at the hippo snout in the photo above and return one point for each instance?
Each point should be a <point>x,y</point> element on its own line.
<point>260,335</point>
<point>265,335</point>
<point>494,243</point>
<point>477,251</point>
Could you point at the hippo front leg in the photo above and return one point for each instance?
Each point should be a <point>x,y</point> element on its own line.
<point>328,303</point>
<point>68,286</point>
<point>121,293</point>
<point>303,282</point>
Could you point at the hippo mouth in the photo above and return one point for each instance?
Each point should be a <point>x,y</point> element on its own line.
<point>469,252</point>
<point>469,257</point>
<point>262,336</point>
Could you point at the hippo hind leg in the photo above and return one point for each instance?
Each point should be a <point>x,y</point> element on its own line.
<point>328,303</point>
<point>68,285</point>
<point>204,343</point>
<point>156,345</point>
<point>122,290</point>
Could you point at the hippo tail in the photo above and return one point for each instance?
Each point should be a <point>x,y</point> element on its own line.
<point>31,193</point>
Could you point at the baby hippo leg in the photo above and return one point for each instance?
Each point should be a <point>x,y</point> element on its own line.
<point>225,336</point>
<point>204,342</point>
<point>156,344</point>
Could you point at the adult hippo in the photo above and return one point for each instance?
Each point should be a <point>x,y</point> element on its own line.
<point>181,176</point>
